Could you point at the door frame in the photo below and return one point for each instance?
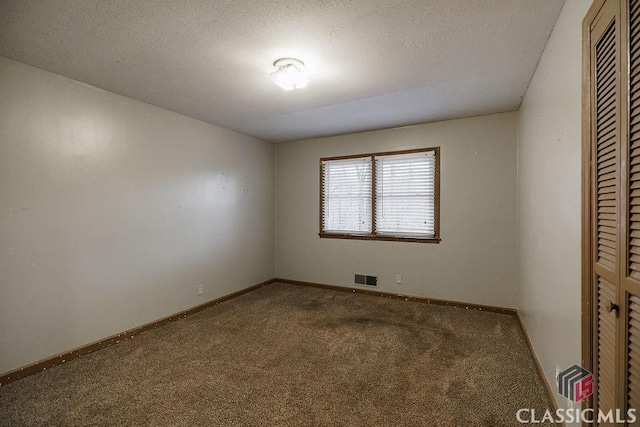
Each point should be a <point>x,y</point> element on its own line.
<point>588,306</point>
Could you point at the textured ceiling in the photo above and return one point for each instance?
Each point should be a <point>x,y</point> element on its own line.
<point>373,63</point>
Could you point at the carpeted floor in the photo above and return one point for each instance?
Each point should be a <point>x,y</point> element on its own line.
<point>286,355</point>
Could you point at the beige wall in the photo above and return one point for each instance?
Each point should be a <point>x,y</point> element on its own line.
<point>549,152</point>
<point>112,211</point>
<point>476,260</point>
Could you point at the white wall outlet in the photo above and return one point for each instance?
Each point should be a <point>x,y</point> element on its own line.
<point>200,290</point>
<point>399,279</point>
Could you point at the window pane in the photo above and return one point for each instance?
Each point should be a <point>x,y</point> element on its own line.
<point>347,196</point>
<point>405,194</point>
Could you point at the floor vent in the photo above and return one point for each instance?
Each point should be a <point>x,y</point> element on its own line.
<point>361,279</point>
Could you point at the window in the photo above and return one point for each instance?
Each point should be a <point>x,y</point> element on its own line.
<point>381,196</point>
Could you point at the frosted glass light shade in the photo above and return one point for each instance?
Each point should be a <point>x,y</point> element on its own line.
<point>289,74</point>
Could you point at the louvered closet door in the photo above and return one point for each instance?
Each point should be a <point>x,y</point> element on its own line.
<point>630,286</point>
<point>606,200</point>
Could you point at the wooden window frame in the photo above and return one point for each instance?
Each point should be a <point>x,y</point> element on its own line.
<point>374,236</point>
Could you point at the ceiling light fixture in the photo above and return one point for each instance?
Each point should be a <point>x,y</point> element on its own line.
<point>289,74</point>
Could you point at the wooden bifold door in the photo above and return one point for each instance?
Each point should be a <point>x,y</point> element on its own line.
<point>611,203</point>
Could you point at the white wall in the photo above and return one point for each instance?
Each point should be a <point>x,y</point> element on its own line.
<point>112,211</point>
<point>549,171</point>
<point>476,260</point>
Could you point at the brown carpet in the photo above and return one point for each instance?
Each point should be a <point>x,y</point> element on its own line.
<point>290,355</point>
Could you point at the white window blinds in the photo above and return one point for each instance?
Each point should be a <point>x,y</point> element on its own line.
<point>405,194</point>
<point>384,196</point>
<point>347,200</point>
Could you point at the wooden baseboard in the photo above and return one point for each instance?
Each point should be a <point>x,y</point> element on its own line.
<point>541,374</point>
<point>467,306</point>
<point>89,348</point>
<point>114,339</point>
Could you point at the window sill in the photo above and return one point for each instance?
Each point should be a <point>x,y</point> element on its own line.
<point>379,237</point>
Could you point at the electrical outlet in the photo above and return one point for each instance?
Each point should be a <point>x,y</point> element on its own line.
<point>200,290</point>
<point>399,279</point>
